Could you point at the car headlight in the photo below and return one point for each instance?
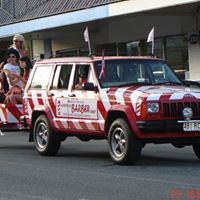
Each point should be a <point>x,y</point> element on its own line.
<point>152,107</point>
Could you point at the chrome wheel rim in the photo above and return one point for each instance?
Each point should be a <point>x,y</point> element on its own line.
<point>118,142</point>
<point>41,135</point>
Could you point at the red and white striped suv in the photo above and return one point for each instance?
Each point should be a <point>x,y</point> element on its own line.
<point>130,101</point>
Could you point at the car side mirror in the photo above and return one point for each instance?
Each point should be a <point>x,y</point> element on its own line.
<point>89,86</point>
<point>189,83</point>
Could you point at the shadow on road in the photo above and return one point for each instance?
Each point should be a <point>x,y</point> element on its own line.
<point>16,147</point>
<point>168,161</point>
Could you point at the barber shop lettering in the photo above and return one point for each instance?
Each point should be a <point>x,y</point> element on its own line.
<point>80,108</point>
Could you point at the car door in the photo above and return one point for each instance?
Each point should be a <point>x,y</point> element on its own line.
<point>58,95</point>
<point>82,103</point>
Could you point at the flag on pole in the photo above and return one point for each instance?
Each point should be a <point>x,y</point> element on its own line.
<point>86,35</point>
<point>151,39</point>
<point>151,36</point>
<point>87,39</point>
<point>103,70</point>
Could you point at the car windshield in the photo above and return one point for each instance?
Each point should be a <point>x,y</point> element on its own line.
<point>127,72</point>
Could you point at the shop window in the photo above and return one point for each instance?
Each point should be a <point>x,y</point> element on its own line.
<point>72,52</point>
<point>133,48</point>
<point>177,54</point>
<point>110,49</point>
<point>146,48</point>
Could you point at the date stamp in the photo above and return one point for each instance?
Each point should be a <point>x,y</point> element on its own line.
<point>190,194</point>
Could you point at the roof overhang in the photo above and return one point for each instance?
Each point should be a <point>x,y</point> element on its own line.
<point>92,14</point>
<point>138,6</point>
<point>55,21</point>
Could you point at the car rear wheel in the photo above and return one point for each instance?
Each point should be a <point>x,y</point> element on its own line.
<point>124,147</point>
<point>46,141</point>
<point>196,148</point>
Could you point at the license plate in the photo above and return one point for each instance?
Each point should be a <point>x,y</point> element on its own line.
<point>191,126</point>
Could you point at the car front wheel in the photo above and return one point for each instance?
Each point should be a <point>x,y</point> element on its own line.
<point>124,147</point>
<point>46,141</point>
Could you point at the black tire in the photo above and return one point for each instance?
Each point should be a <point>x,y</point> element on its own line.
<point>46,141</point>
<point>196,149</point>
<point>124,147</point>
<point>62,137</point>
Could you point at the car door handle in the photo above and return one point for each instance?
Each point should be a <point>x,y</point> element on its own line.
<point>71,95</point>
<point>50,94</point>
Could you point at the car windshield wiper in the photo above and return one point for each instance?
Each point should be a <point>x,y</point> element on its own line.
<point>134,83</point>
<point>168,83</point>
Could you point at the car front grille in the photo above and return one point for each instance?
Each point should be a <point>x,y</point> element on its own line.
<point>175,109</point>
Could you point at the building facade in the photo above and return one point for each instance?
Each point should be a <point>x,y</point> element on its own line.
<point>121,27</point>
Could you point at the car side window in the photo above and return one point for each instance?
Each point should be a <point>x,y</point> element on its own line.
<point>41,77</point>
<point>81,76</point>
<point>62,76</point>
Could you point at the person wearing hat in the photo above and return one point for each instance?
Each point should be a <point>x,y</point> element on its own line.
<point>11,67</point>
<point>17,96</point>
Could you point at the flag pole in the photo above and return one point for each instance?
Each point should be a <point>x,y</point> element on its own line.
<point>152,50</point>
<point>89,46</point>
<point>102,72</point>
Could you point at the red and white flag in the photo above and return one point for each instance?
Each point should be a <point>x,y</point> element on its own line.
<point>103,66</point>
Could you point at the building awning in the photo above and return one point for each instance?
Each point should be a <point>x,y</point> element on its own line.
<point>61,17</point>
<point>60,20</point>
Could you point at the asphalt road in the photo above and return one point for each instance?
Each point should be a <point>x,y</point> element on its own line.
<point>84,171</point>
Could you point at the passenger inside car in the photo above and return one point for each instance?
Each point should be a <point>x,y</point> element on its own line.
<point>81,76</point>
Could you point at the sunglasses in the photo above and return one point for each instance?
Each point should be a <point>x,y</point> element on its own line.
<point>16,41</point>
<point>12,56</point>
